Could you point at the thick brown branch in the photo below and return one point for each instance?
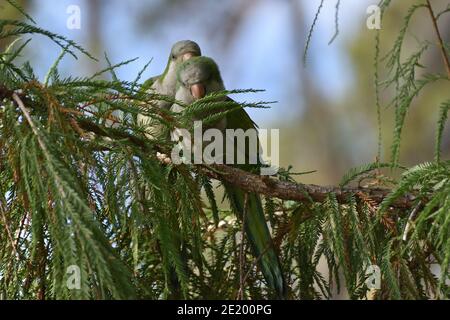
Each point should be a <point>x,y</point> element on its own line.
<point>296,191</point>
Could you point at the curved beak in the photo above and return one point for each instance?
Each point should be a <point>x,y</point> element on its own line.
<point>187,56</point>
<point>198,91</point>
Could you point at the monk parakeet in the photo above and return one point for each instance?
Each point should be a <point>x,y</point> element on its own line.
<point>197,78</point>
<point>165,84</point>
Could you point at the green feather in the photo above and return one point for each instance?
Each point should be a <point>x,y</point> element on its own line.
<point>255,223</point>
<point>201,62</point>
<point>149,82</point>
<point>259,237</point>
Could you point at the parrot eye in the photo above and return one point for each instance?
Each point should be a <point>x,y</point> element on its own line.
<point>173,57</point>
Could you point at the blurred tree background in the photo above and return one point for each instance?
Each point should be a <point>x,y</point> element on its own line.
<point>320,107</point>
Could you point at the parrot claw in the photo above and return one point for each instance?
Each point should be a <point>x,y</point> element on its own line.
<point>163,158</point>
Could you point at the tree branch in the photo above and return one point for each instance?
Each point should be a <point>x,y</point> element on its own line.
<point>440,41</point>
<point>286,190</point>
<point>250,182</point>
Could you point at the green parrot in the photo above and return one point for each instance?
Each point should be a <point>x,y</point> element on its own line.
<point>197,78</point>
<point>165,84</point>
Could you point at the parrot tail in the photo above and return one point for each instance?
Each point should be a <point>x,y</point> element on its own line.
<point>259,237</point>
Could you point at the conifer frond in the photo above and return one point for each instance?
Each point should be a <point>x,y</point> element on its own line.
<point>443,114</point>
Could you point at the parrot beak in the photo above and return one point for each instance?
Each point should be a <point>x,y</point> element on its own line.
<point>198,91</point>
<point>187,56</point>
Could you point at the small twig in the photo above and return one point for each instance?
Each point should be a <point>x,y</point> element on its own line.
<point>21,228</point>
<point>242,278</point>
<point>411,218</point>
<point>336,22</point>
<point>41,143</point>
<point>440,41</point>
<point>111,97</point>
<point>256,261</point>
<point>8,231</point>
<point>308,40</point>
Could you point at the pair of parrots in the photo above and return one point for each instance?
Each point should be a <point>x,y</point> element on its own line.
<point>188,77</point>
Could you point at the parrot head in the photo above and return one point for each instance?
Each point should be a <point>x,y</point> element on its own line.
<point>198,77</point>
<point>184,50</point>
<point>181,51</point>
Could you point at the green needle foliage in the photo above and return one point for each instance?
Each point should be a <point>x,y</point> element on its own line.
<point>81,188</point>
